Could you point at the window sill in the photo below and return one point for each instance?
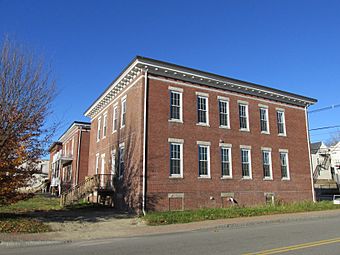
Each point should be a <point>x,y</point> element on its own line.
<point>114,131</point>
<point>283,135</point>
<point>246,178</point>
<point>265,133</point>
<point>122,127</point>
<point>285,179</point>
<point>224,127</point>
<point>204,177</point>
<point>202,124</point>
<point>267,179</point>
<point>175,121</point>
<point>244,130</point>
<point>175,177</point>
<point>103,137</point>
<point>226,177</point>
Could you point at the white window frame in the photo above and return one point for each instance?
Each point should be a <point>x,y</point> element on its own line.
<point>228,147</point>
<point>115,118</point>
<point>120,173</point>
<point>283,122</point>
<point>267,150</point>
<point>123,112</point>
<point>246,148</point>
<point>263,108</point>
<point>206,98</point>
<point>99,128</point>
<point>104,125</point>
<point>113,162</point>
<point>179,142</point>
<point>282,151</point>
<point>72,146</point>
<point>204,145</point>
<point>97,164</point>
<point>226,101</point>
<point>245,104</point>
<point>180,93</point>
<point>102,170</point>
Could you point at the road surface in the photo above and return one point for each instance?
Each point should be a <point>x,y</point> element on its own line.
<point>308,236</point>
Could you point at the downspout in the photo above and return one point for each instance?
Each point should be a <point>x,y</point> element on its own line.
<point>78,154</point>
<point>144,141</point>
<point>309,154</point>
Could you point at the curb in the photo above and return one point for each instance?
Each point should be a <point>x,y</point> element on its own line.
<point>30,243</point>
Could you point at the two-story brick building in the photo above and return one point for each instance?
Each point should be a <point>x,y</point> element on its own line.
<point>69,157</point>
<point>180,138</point>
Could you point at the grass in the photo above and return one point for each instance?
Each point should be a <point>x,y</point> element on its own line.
<point>162,218</point>
<point>15,218</point>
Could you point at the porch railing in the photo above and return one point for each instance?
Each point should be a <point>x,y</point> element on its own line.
<point>85,188</point>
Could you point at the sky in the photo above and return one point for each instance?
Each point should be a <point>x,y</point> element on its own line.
<point>292,45</point>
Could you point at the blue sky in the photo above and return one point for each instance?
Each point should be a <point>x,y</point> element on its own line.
<point>289,45</point>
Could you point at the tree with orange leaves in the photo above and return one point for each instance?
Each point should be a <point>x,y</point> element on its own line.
<point>26,94</point>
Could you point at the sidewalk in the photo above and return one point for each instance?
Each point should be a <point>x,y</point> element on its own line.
<point>129,227</point>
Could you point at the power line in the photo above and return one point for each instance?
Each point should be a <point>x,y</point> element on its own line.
<point>325,108</point>
<point>326,127</point>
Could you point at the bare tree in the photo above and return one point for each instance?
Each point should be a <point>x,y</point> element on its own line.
<point>26,94</point>
<point>334,138</point>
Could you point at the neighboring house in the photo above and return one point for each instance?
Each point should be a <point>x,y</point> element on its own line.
<point>335,163</point>
<point>69,157</point>
<point>178,138</point>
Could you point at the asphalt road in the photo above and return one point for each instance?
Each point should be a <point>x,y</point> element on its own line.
<point>309,236</point>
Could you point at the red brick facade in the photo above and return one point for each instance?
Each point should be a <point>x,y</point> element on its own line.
<point>163,192</point>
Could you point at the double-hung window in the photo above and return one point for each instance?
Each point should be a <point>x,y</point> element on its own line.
<point>176,157</point>
<point>226,161</point>
<point>121,159</point>
<point>264,123</point>
<point>202,110</point>
<point>123,109</point>
<point>203,160</point>
<point>246,163</point>
<point>104,125</point>
<point>284,165</point>
<point>115,118</point>
<point>97,163</point>
<point>99,128</point>
<point>175,105</point>
<point>243,115</point>
<point>113,162</point>
<point>281,125</point>
<point>223,107</point>
<point>267,164</point>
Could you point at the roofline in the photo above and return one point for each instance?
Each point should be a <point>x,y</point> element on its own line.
<point>149,61</point>
<point>53,145</point>
<point>75,123</point>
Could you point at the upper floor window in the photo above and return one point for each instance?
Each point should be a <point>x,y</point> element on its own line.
<point>284,165</point>
<point>104,125</point>
<point>243,114</point>
<point>246,163</point>
<point>203,160</point>
<point>267,164</point>
<point>264,123</point>
<point>115,118</point>
<point>281,125</point>
<point>175,105</point>
<point>123,117</point>
<point>223,106</point>
<point>202,110</point>
<point>99,128</point>
<point>121,159</point>
<point>226,161</point>
<point>97,163</point>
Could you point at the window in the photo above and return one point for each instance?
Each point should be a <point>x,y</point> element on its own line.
<point>175,105</point>
<point>123,118</point>
<point>121,160</point>
<point>243,113</point>
<point>267,164</point>
<point>202,110</point>
<point>98,128</point>
<point>176,163</point>
<point>223,107</point>
<point>72,146</point>
<point>281,122</point>
<point>264,124</point>
<point>97,163</point>
<point>113,162</point>
<point>115,119</point>
<point>102,176</point>
<point>203,161</point>
<point>284,165</point>
<point>246,163</point>
<point>104,125</point>
<point>226,161</point>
